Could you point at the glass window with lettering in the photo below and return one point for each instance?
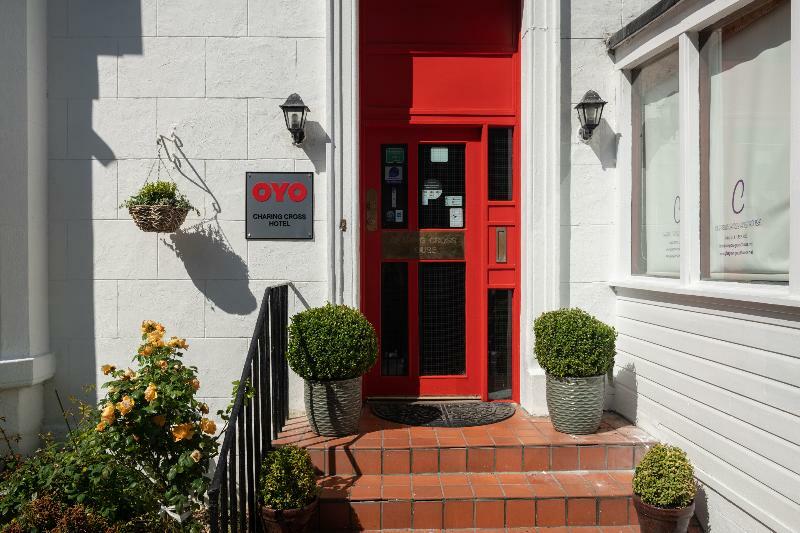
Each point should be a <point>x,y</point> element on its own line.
<point>745,102</point>
<point>656,202</point>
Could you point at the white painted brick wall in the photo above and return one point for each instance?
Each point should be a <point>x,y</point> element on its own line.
<point>213,72</point>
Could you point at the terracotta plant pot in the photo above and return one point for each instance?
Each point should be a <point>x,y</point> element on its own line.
<point>288,520</point>
<point>654,519</point>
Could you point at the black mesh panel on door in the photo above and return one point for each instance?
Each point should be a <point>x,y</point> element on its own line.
<point>441,319</point>
<point>499,348</point>
<point>441,186</point>
<point>394,319</point>
<point>500,163</point>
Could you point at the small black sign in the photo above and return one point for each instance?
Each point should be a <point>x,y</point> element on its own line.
<point>279,205</point>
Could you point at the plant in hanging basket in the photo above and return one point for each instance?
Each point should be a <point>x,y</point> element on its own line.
<point>159,207</point>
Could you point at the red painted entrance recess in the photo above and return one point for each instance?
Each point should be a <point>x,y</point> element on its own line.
<point>440,195</point>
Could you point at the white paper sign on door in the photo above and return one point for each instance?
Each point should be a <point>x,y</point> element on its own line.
<point>430,194</point>
<point>456,217</point>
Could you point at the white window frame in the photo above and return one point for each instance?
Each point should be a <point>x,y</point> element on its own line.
<point>680,27</point>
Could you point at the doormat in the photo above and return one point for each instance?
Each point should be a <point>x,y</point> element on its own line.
<point>443,414</point>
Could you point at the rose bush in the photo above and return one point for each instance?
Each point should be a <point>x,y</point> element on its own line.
<point>151,416</point>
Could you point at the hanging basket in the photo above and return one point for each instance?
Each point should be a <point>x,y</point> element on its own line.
<point>158,218</point>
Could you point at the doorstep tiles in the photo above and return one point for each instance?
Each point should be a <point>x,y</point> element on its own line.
<point>521,443</point>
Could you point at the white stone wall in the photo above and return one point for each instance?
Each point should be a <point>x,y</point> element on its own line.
<point>212,73</point>
<point>588,170</point>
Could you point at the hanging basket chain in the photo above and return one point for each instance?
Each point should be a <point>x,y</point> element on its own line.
<point>159,218</point>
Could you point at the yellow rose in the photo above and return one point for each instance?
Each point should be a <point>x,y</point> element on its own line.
<point>108,415</point>
<point>196,455</point>
<point>175,342</point>
<point>149,326</point>
<point>107,369</point>
<point>150,393</point>
<point>208,426</point>
<point>146,349</point>
<point>126,405</point>
<point>203,407</point>
<point>163,364</point>
<point>159,420</point>
<point>101,426</point>
<point>183,431</point>
<point>195,383</point>
<point>154,339</point>
<point>129,374</point>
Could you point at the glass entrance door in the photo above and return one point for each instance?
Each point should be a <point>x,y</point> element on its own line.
<point>422,263</point>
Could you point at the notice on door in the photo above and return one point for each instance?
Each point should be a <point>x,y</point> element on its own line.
<point>279,205</point>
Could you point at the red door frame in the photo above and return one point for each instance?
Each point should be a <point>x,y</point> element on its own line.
<point>417,122</point>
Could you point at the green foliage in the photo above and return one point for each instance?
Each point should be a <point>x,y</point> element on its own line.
<point>665,477</point>
<point>288,480</point>
<point>331,342</point>
<point>79,470</point>
<point>149,445</point>
<point>151,417</point>
<point>159,193</point>
<point>572,343</point>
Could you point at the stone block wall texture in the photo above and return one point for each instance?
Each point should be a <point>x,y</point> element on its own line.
<point>211,72</point>
<point>588,170</point>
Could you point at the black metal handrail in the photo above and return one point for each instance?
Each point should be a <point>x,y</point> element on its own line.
<point>259,412</point>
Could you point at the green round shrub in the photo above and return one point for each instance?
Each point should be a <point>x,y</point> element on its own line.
<point>573,343</point>
<point>331,343</point>
<point>665,478</point>
<point>288,480</point>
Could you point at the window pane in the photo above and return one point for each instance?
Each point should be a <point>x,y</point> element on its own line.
<point>746,143</point>
<point>501,166</point>
<point>442,319</point>
<point>441,186</point>
<point>656,189</point>
<point>394,319</point>
<point>499,349</point>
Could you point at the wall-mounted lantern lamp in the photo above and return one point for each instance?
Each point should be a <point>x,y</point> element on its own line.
<point>590,110</point>
<point>294,111</point>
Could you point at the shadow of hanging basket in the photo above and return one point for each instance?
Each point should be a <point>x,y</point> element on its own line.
<point>158,218</point>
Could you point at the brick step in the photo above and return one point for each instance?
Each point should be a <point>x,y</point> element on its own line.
<point>522,443</point>
<point>481,500</point>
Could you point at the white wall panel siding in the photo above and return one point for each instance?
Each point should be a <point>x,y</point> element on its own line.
<point>723,381</point>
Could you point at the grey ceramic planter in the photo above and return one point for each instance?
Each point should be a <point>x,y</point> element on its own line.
<point>333,408</point>
<point>575,404</point>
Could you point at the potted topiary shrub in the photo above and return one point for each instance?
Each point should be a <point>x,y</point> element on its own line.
<point>331,347</point>
<point>288,493</point>
<point>159,207</point>
<point>575,350</point>
<point>664,490</point>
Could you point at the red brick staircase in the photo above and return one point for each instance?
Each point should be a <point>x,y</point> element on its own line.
<point>517,475</point>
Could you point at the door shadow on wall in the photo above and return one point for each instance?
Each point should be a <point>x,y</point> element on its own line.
<point>82,170</point>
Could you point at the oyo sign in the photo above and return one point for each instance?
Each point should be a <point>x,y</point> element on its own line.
<point>279,205</point>
<point>263,191</point>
